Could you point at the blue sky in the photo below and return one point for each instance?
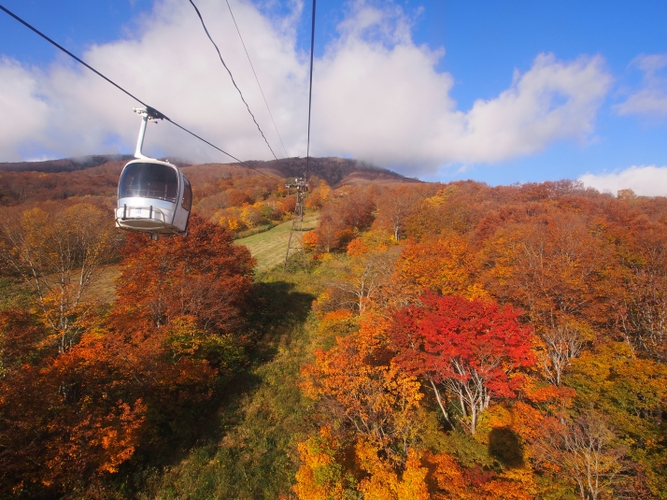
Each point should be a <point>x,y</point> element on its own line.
<point>496,91</point>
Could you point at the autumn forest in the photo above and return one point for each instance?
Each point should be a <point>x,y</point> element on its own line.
<point>438,341</point>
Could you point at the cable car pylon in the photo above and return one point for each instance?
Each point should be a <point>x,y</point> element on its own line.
<point>295,241</point>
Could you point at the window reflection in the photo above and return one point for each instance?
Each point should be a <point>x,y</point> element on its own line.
<point>149,180</point>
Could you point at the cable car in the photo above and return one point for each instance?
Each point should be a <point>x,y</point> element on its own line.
<point>153,196</point>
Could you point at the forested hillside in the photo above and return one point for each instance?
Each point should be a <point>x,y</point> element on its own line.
<point>485,342</point>
<point>446,341</point>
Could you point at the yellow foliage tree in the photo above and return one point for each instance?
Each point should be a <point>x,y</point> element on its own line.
<point>58,255</point>
<point>384,483</point>
<point>320,476</point>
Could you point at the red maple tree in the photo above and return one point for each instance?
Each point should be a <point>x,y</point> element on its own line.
<point>469,348</point>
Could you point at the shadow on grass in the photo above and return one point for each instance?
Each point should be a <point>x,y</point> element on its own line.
<point>275,310</point>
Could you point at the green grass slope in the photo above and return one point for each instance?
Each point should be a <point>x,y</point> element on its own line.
<point>250,451</point>
<point>269,247</point>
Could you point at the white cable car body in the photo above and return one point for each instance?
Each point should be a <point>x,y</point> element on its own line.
<point>153,196</point>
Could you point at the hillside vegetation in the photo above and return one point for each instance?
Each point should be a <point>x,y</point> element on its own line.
<point>444,341</point>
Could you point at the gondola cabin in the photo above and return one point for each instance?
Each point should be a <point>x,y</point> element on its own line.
<point>153,196</point>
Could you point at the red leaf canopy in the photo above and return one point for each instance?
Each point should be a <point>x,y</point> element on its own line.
<point>452,339</point>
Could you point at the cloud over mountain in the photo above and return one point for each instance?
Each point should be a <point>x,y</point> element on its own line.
<point>378,96</point>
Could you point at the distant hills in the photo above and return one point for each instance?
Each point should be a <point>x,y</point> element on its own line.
<point>336,172</point>
<point>64,165</point>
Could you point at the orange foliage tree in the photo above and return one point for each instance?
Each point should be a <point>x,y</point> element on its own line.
<point>444,265</point>
<point>643,315</point>
<point>556,268</point>
<point>363,277</point>
<point>395,206</point>
<point>361,389</point>
<point>582,450</point>
<point>344,213</point>
<point>373,407</point>
<point>202,276</point>
<point>64,419</point>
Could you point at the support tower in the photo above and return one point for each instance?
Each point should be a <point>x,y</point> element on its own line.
<point>295,243</point>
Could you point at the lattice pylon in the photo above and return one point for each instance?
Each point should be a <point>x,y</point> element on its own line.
<point>295,241</point>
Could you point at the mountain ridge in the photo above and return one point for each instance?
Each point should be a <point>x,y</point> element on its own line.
<point>63,164</point>
<point>337,172</point>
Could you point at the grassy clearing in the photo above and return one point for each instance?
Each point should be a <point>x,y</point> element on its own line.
<point>103,287</point>
<point>269,247</point>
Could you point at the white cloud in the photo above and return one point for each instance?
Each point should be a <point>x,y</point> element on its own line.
<point>377,95</point>
<point>651,99</point>
<point>645,102</point>
<point>23,110</point>
<point>381,98</point>
<point>643,180</point>
<point>551,101</point>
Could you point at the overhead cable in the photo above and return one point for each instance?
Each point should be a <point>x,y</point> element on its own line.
<point>72,55</point>
<point>232,77</point>
<point>310,88</point>
<point>156,112</point>
<point>257,79</point>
